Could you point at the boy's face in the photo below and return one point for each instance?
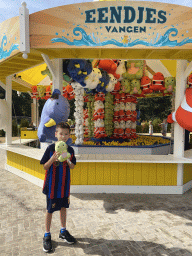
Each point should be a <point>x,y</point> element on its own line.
<point>62,134</point>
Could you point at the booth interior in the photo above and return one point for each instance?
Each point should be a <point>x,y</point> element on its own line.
<point>72,59</point>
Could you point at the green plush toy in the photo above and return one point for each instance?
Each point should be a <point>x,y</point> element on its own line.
<point>134,69</point>
<point>170,84</point>
<point>126,86</point>
<point>61,147</point>
<point>109,105</point>
<point>135,87</point>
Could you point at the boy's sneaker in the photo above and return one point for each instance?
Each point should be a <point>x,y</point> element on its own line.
<point>47,245</point>
<point>67,237</point>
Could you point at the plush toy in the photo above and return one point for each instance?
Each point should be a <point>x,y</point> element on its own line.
<point>110,66</point>
<point>47,72</point>
<point>78,69</point>
<point>123,97</point>
<point>98,104</point>
<point>120,69</point>
<point>41,91</point>
<point>128,133</point>
<point>183,115</point>
<point>48,92</point>
<point>122,124</point>
<point>100,96</point>
<point>170,84</point>
<point>134,69</point>
<point>117,98</point>
<point>61,147</point>
<point>126,86</point>
<point>189,80</point>
<point>99,114</point>
<point>70,92</point>
<point>55,110</point>
<point>34,92</point>
<point>104,80</point>
<point>117,88</point>
<point>111,85</point>
<point>145,84</point>
<point>158,82</point>
<point>92,80</point>
<point>135,87</point>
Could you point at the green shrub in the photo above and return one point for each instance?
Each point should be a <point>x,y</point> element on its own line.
<point>156,125</point>
<point>24,123</point>
<point>138,129</point>
<point>14,128</point>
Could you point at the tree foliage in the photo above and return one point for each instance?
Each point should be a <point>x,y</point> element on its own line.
<point>156,107</point>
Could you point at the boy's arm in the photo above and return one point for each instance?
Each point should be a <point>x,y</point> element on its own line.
<point>51,160</point>
<point>72,160</point>
<point>71,165</point>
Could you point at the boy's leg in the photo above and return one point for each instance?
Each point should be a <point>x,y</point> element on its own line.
<point>63,213</point>
<point>48,218</point>
<point>65,235</point>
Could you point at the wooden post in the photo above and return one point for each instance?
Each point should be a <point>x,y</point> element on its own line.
<point>8,98</point>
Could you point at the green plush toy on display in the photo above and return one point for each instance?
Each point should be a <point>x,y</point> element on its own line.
<point>126,86</point>
<point>134,69</point>
<point>170,84</point>
<point>135,87</point>
<point>61,147</point>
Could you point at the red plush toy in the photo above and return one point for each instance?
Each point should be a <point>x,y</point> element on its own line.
<point>48,92</point>
<point>100,96</point>
<point>145,84</point>
<point>158,82</point>
<point>183,115</point>
<point>110,66</point>
<point>34,92</point>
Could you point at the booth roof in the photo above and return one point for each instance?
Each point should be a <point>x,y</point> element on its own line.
<point>15,63</point>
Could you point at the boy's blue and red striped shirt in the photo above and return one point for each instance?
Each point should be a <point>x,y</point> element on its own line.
<point>57,178</point>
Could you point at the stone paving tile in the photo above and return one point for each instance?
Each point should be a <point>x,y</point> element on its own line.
<point>103,224</point>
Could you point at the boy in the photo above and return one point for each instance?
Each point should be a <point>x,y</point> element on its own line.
<point>57,186</point>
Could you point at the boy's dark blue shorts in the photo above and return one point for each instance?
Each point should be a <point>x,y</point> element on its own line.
<point>56,204</point>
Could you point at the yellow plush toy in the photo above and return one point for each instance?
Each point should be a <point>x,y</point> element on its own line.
<point>61,147</point>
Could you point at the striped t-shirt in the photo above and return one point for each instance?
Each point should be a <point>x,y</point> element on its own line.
<point>57,178</point>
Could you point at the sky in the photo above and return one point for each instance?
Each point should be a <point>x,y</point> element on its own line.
<point>10,8</point>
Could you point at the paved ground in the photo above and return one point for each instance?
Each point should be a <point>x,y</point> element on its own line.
<point>104,224</point>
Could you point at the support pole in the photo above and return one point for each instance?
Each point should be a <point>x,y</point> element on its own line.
<point>58,70</point>
<point>34,112</point>
<point>8,98</point>
<point>178,130</point>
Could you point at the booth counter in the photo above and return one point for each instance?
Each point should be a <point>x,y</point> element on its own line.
<point>109,173</point>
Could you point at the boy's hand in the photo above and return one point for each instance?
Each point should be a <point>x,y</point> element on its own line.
<point>55,156</point>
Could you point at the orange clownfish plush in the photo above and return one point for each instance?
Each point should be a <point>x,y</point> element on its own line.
<point>183,115</point>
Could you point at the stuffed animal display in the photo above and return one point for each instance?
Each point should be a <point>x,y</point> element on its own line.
<point>61,147</point>
<point>110,89</point>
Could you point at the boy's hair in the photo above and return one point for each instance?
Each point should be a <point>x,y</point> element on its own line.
<point>63,125</point>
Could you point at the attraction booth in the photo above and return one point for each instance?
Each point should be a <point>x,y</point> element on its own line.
<point>103,55</point>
